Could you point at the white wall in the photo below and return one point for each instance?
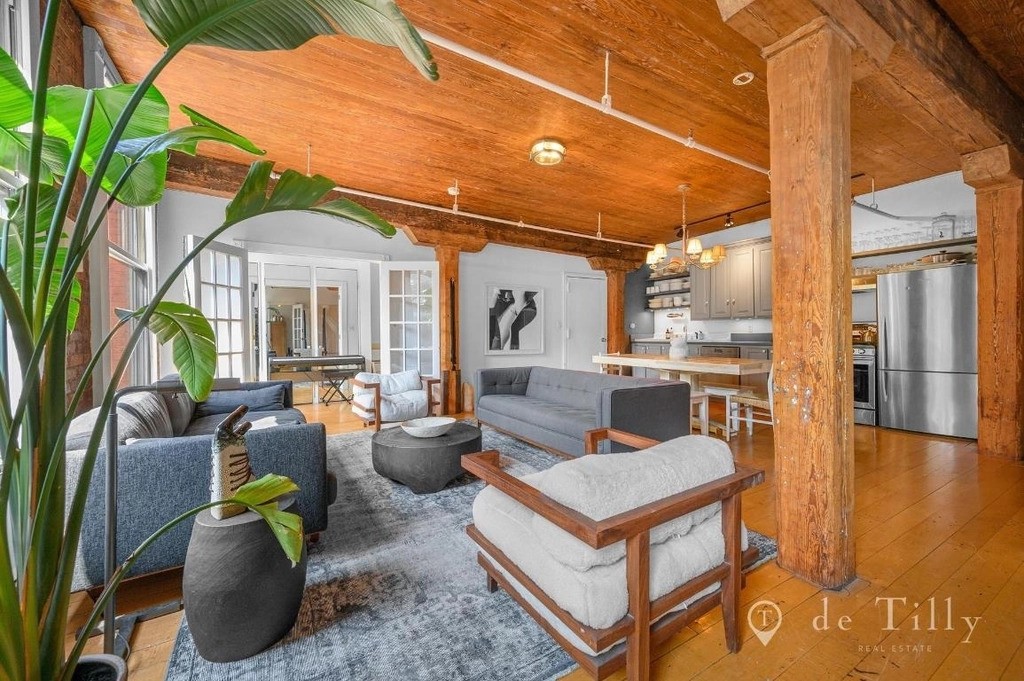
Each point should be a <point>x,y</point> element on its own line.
<point>182,213</point>
<point>516,267</point>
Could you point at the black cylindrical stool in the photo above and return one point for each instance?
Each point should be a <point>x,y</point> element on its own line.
<point>423,464</point>
<point>241,593</point>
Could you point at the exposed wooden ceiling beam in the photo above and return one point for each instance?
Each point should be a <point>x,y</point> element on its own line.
<point>930,72</point>
<point>423,227</point>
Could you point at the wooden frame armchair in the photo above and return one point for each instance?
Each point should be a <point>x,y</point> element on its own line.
<point>428,383</point>
<point>646,622</point>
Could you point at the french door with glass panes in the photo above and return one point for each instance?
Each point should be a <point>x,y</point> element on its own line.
<point>217,284</point>
<point>409,335</point>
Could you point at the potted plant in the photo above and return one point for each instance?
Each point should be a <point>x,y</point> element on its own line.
<point>119,139</point>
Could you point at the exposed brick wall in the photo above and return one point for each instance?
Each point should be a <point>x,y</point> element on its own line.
<point>67,68</point>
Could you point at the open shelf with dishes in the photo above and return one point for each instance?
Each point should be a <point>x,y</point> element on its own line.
<point>921,246</point>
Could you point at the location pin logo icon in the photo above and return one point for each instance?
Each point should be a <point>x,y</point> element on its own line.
<point>764,618</point>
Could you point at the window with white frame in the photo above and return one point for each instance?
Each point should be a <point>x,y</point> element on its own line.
<point>19,30</point>
<point>126,274</point>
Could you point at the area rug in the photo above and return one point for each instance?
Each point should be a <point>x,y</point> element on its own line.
<point>394,590</point>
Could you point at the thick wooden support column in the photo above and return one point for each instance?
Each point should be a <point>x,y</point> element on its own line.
<point>448,299</point>
<point>997,174</point>
<point>809,83</point>
<point>615,271</point>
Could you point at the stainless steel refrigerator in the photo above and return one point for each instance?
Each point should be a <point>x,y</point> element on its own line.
<point>928,350</point>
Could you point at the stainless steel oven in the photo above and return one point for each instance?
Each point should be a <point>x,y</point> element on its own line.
<point>864,403</point>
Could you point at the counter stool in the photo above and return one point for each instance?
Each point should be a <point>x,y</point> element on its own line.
<point>700,400</point>
<point>758,408</point>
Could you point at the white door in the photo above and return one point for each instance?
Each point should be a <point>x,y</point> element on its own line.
<point>409,335</point>
<point>217,283</point>
<point>586,321</point>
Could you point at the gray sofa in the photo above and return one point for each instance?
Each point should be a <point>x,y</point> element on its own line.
<point>553,408</point>
<point>164,468</point>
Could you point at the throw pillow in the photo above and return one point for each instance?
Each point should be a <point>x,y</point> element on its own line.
<point>270,398</point>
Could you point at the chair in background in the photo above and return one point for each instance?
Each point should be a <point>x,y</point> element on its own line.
<point>391,398</point>
<point>751,408</point>
<point>700,400</point>
<point>610,576</point>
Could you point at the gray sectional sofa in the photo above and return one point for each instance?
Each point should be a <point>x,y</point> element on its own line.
<point>164,468</point>
<point>553,408</point>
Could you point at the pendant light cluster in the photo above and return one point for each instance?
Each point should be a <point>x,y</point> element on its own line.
<point>693,253</point>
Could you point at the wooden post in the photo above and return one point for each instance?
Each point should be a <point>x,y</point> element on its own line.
<point>809,83</point>
<point>615,276</point>
<point>997,175</point>
<point>448,308</point>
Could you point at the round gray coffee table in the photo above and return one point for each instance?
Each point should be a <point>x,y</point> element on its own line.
<point>423,464</point>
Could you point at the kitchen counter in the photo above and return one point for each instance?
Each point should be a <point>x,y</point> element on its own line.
<point>688,368</point>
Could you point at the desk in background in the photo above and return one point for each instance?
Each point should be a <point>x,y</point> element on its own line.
<point>330,372</point>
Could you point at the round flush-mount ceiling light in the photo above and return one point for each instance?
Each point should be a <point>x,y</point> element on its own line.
<point>744,78</point>
<point>547,152</point>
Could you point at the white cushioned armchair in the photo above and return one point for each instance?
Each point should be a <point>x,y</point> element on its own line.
<point>614,553</point>
<point>387,398</point>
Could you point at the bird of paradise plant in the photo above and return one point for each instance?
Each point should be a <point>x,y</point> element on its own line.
<point>119,139</point>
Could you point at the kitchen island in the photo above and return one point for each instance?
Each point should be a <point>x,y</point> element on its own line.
<point>688,368</point>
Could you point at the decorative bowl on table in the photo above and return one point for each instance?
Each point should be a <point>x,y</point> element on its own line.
<point>430,426</point>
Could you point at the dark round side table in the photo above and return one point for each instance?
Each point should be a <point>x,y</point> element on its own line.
<point>241,593</point>
<point>423,464</point>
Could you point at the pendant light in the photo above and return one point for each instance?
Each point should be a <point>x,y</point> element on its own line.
<point>692,248</point>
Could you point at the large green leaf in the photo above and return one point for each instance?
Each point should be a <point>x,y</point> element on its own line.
<point>65,105</point>
<point>260,496</point>
<point>15,249</point>
<point>15,95</point>
<point>295,191</point>
<point>275,25</point>
<point>15,154</point>
<point>187,139</point>
<point>193,345</point>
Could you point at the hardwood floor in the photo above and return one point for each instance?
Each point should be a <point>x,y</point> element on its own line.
<point>934,521</point>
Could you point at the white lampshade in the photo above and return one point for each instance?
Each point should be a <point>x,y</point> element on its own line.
<point>694,247</point>
<point>660,251</point>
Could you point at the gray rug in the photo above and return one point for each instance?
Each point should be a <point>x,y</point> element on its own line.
<point>394,590</point>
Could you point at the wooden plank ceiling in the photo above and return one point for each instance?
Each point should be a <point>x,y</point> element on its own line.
<point>376,125</point>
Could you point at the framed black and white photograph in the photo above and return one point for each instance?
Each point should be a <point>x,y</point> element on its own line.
<point>515,322</point>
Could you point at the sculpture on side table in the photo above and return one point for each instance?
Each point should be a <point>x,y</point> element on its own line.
<point>230,467</point>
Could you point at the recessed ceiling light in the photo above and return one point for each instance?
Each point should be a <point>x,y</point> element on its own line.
<point>547,152</point>
<point>744,78</point>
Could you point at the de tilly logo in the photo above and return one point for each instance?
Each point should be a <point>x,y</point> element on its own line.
<point>765,617</point>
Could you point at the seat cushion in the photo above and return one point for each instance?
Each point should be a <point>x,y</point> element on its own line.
<point>602,486</point>
<point>400,407</point>
<point>207,425</point>
<point>554,416</point>
<point>596,597</point>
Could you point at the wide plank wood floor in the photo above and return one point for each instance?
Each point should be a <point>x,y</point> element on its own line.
<point>933,521</point>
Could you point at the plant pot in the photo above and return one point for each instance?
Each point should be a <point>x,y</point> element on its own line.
<point>100,667</point>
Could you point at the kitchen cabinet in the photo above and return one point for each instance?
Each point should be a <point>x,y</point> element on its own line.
<point>721,293</point>
<point>732,284</point>
<point>741,281</point>
<point>763,280</point>
<point>700,293</point>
